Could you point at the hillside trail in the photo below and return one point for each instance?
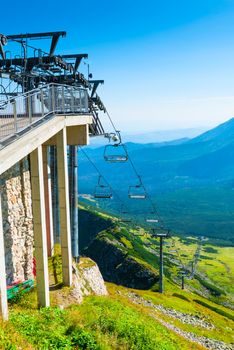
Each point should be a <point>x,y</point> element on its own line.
<point>207,343</point>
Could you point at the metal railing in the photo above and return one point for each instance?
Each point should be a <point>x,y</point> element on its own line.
<point>25,110</point>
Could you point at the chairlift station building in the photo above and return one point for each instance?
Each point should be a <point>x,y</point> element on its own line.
<point>47,109</point>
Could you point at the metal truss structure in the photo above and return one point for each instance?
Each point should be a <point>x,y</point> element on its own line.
<point>24,67</point>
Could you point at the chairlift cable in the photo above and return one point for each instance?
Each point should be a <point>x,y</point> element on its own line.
<point>143,186</point>
<point>136,173</point>
<point>99,173</point>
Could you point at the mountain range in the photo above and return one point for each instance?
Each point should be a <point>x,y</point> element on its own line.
<point>192,177</point>
<point>158,136</point>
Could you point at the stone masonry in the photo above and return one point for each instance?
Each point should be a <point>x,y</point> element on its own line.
<point>15,187</point>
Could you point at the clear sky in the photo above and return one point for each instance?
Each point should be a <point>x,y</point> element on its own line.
<point>166,64</point>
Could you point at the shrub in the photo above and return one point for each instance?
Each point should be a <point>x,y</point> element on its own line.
<point>126,242</point>
<point>180,296</point>
<point>215,309</point>
<point>81,338</point>
<point>214,290</point>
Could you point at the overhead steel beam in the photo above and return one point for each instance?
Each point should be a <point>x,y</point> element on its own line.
<point>75,55</point>
<point>54,42</point>
<point>68,79</point>
<point>95,83</point>
<point>35,35</point>
<point>34,61</point>
<point>55,38</point>
<point>78,58</point>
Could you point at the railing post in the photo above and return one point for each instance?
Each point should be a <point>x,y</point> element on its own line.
<point>86,102</point>
<point>72,100</point>
<point>53,98</point>
<point>15,115</point>
<point>80,104</point>
<point>29,109</point>
<point>42,103</point>
<point>63,104</point>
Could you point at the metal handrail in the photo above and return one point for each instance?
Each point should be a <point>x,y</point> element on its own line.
<point>31,92</point>
<point>20,112</point>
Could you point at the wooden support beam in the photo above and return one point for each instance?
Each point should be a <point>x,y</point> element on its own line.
<point>64,209</point>
<point>39,223</point>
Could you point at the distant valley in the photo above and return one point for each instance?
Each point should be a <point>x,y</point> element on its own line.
<point>191,180</point>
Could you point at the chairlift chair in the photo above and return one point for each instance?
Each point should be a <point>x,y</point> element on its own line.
<point>126,220</point>
<point>160,232</point>
<point>136,192</point>
<point>151,218</point>
<point>124,216</point>
<point>102,190</point>
<point>115,153</point>
<point>152,221</point>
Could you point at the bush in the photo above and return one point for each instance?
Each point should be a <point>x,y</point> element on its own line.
<point>216,291</point>
<point>180,296</point>
<point>81,338</point>
<point>44,328</point>
<point>210,250</point>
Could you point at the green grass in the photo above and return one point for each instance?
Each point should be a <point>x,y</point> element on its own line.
<point>100,323</point>
<point>214,271</point>
<point>215,265</point>
<point>111,322</point>
<point>216,309</point>
<point>189,303</point>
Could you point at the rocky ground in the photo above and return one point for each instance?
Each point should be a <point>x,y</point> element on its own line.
<point>195,320</point>
<point>87,280</point>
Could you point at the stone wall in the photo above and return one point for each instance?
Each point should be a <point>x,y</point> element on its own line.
<point>15,187</point>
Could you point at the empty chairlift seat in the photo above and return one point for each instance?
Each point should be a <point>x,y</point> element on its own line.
<point>102,190</point>
<point>160,232</point>
<point>125,218</point>
<point>115,153</point>
<point>151,218</point>
<point>137,192</point>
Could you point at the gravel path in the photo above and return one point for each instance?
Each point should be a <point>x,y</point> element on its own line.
<point>211,344</point>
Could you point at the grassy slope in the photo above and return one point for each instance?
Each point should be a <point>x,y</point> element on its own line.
<point>112,322</point>
<point>215,264</point>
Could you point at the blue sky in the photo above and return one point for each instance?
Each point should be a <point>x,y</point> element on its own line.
<point>166,64</point>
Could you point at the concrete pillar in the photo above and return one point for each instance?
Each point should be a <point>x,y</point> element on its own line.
<point>73,193</point>
<point>39,225</point>
<point>48,201</point>
<point>3,287</point>
<point>63,190</point>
